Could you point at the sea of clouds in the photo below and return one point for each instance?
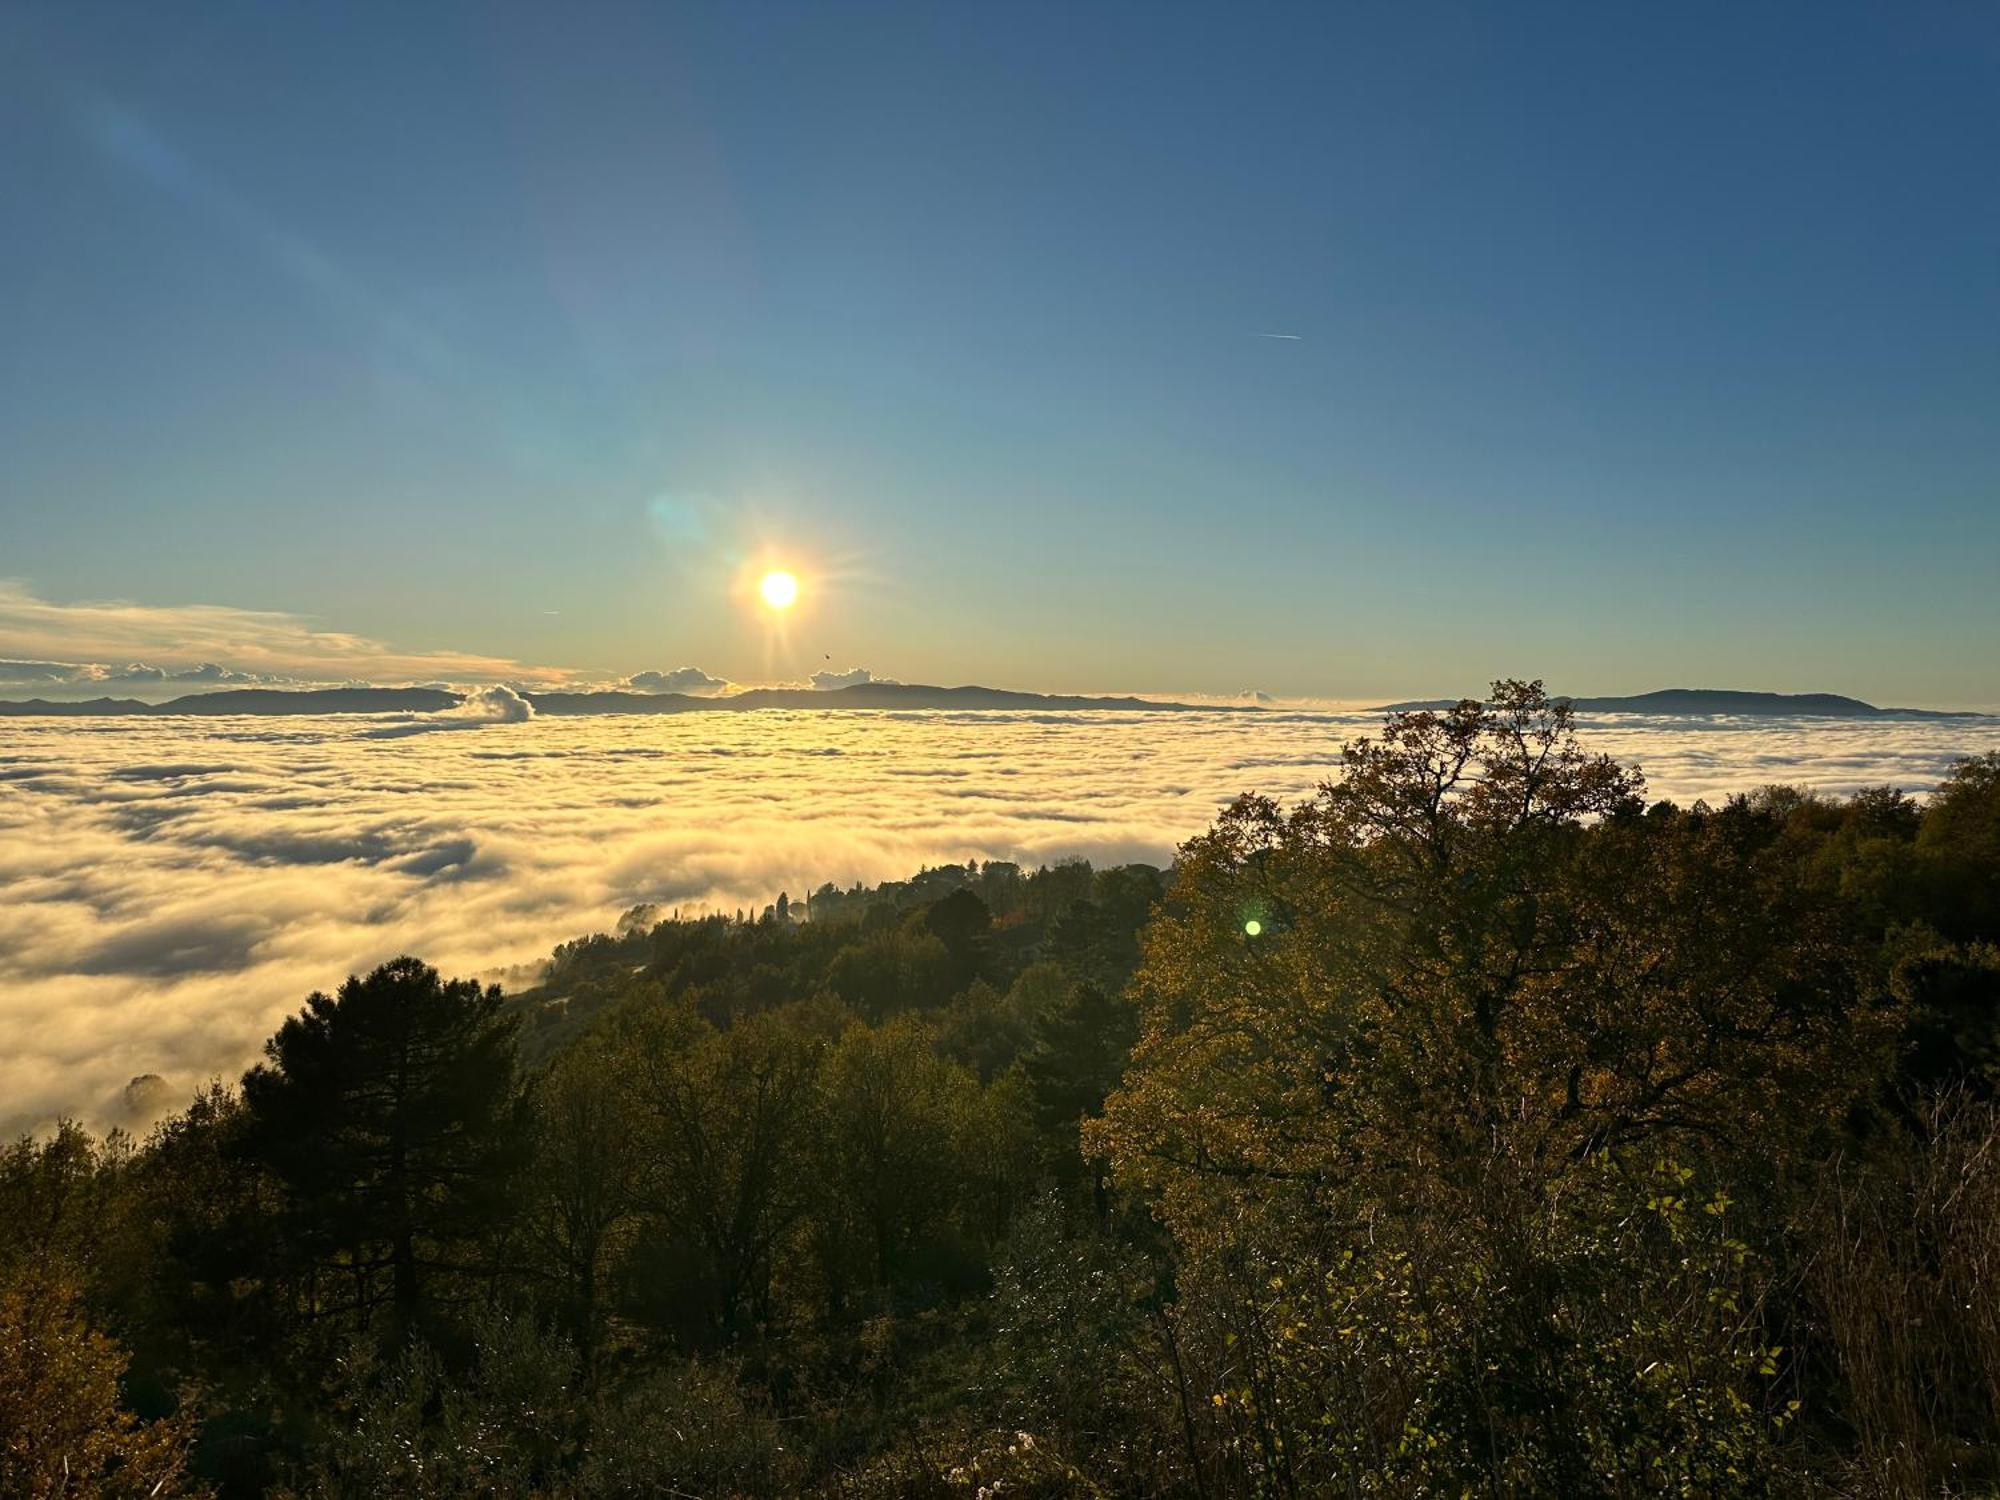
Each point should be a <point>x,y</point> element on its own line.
<point>171,888</point>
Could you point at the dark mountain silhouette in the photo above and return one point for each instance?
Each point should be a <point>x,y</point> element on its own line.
<point>371,700</point>
<point>861,695</point>
<point>363,700</point>
<point>899,695</point>
<point>89,707</point>
<point>1698,701</point>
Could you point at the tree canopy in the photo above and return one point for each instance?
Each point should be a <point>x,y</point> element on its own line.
<point>1472,1127</point>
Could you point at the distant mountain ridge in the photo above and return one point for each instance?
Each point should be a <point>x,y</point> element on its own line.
<point>372,700</point>
<point>1692,702</point>
<point>1696,702</point>
<point>860,695</point>
<point>367,700</point>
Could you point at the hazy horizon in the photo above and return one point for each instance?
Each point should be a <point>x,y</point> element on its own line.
<point>122,649</point>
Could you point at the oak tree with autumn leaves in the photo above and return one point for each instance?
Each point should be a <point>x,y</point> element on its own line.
<point>1410,1054</point>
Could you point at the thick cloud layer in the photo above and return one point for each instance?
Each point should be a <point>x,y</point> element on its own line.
<point>173,887</point>
<point>679,680</point>
<point>76,678</point>
<point>479,707</point>
<point>852,677</point>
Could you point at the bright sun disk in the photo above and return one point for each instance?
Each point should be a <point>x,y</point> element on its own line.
<point>780,589</point>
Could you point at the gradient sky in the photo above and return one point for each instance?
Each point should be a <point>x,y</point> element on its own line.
<point>1632,347</point>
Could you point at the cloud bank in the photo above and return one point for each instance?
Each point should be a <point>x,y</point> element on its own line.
<point>691,680</point>
<point>479,707</point>
<point>171,888</point>
<point>852,677</point>
<point>102,678</point>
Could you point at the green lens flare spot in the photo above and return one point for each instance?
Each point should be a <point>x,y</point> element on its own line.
<point>1252,927</point>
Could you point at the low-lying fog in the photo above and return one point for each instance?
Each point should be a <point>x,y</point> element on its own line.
<point>173,887</point>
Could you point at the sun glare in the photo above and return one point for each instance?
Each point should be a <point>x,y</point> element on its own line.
<point>780,589</point>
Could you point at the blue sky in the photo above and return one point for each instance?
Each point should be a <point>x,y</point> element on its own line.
<point>1632,348</point>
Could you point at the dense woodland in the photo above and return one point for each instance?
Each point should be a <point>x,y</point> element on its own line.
<point>1474,1128</point>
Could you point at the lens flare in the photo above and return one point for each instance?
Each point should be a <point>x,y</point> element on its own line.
<point>780,589</point>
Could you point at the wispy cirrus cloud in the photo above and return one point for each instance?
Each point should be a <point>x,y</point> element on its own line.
<point>80,644</point>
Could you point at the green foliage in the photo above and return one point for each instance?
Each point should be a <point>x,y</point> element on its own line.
<point>1076,1348</point>
<point>725,1119</point>
<point>1609,1340</point>
<point>897,1126</point>
<point>1478,966</point>
<point>1471,1128</point>
<point>894,971</point>
<point>586,1184</point>
<point>1959,846</point>
<point>63,1429</point>
<point>393,1117</point>
<point>1951,994</point>
<point>985,1030</point>
<point>55,1197</point>
<point>517,1418</point>
<point>688,1430</point>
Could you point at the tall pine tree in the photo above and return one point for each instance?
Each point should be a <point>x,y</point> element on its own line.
<point>393,1114</point>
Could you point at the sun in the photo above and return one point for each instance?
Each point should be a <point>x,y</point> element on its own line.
<point>780,589</point>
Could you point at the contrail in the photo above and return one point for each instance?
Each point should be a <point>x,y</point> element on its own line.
<point>1293,338</point>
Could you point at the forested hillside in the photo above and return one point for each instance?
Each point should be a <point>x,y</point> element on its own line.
<point>1475,1127</point>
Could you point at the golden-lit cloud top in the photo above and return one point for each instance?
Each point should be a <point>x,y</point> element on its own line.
<point>174,887</point>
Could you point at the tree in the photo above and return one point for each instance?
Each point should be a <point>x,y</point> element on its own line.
<point>63,1431</point>
<point>54,1197</point>
<point>1386,1038</point>
<point>1952,991</point>
<point>588,1178</point>
<point>206,1249</point>
<point>892,971</point>
<point>896,1121</point>
<point>1357,973</point>
<point>1098,939</point>
<point>983,1029</point>
<point>725,1115</point>
<point>1960,846</point>
<point>394,1116</point>
<point>1081,1046</point>
<point>962,923</point>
